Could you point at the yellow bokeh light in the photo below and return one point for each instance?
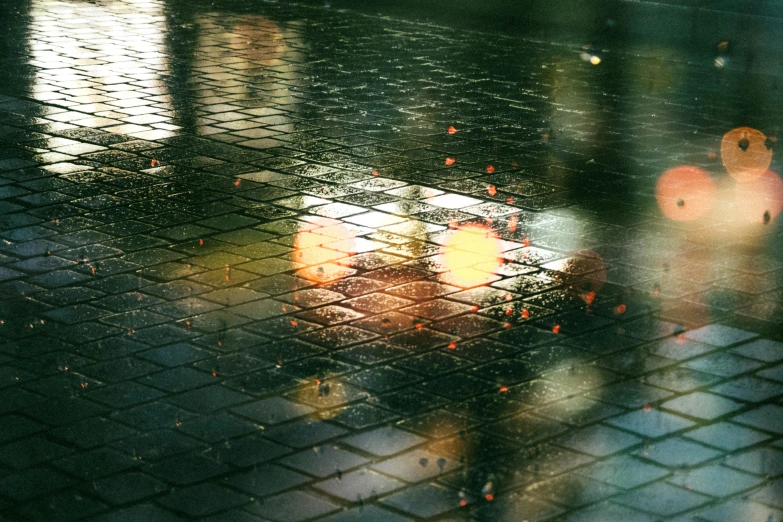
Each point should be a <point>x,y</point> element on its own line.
<point>465,248</point>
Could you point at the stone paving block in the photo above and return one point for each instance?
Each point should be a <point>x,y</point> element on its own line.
<point>761,349</point>
<point>32,483</point>
<point>409,402</point>
<point>217,427</point>
<point>739,509</point>
<point>702,405</point>
<point>96,463</point>
<point>384,441</point>
<point>599,440</point>
<point>266,480</point>
<point>769,495</point>
<point>722,364</point>
<point>749,389</point>
<point>324,460</point>
<point>203,499</point>
<point>416,465</point>
<point>93,432</point>
<point>716,481</point>
<point>508,507</point>
<point>650,424</point>
<point>360,485</point>
<point>128,487</point>
<point>362,415</point>
<point>765,418</point>
<point>293,506</point>
<point>624,472</point>
<point>371,513</point>
<point>719,335</point>
<point>64,506</point>
<point>66,411</point>
<point>139,512</point>
<point>175,354</point>
<point>774,374</point>
<point>186,469</point>
<point>662,499</point>
<point>425,500</point>
<point>208,398</point>
<point>27,452</point>
<point>573,490</point>
<point>763,461</point>
<point>273,410</point>
<point>248,451</point>
<point>233,515</point>
<point>677,452</point>
<point>608,511</point>
<point>527,429</point>
<point>305,432</point>
<point>680,379</point>
<point>157,444</point>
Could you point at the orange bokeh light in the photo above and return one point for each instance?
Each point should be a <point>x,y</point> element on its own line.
<point>745,154</point>
<point>759,200</point>
<point>467,246</point>
<point>312,245</point>
<point>685,193</point>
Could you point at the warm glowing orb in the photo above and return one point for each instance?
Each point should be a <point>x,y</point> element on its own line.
<point>685,193</point>
<point>327,241</point>
<point>759,200</point>
<point>467,246</point>
<point>745,153</point>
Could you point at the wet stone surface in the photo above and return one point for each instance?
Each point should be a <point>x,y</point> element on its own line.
<point>272,262</point>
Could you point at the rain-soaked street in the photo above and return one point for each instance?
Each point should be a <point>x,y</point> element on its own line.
<point>269,261</point>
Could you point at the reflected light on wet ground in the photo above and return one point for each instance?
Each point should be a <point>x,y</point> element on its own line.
<point>320,246</point>
<point>86,58</point>
<point>586,274</point>
<point>375,272</point>
<point>466,247</point>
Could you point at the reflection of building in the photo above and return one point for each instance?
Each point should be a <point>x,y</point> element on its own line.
<point>242,61</point>
<point>92,68</point>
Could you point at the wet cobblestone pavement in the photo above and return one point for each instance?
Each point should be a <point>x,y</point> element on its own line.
<point>262,262</point>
